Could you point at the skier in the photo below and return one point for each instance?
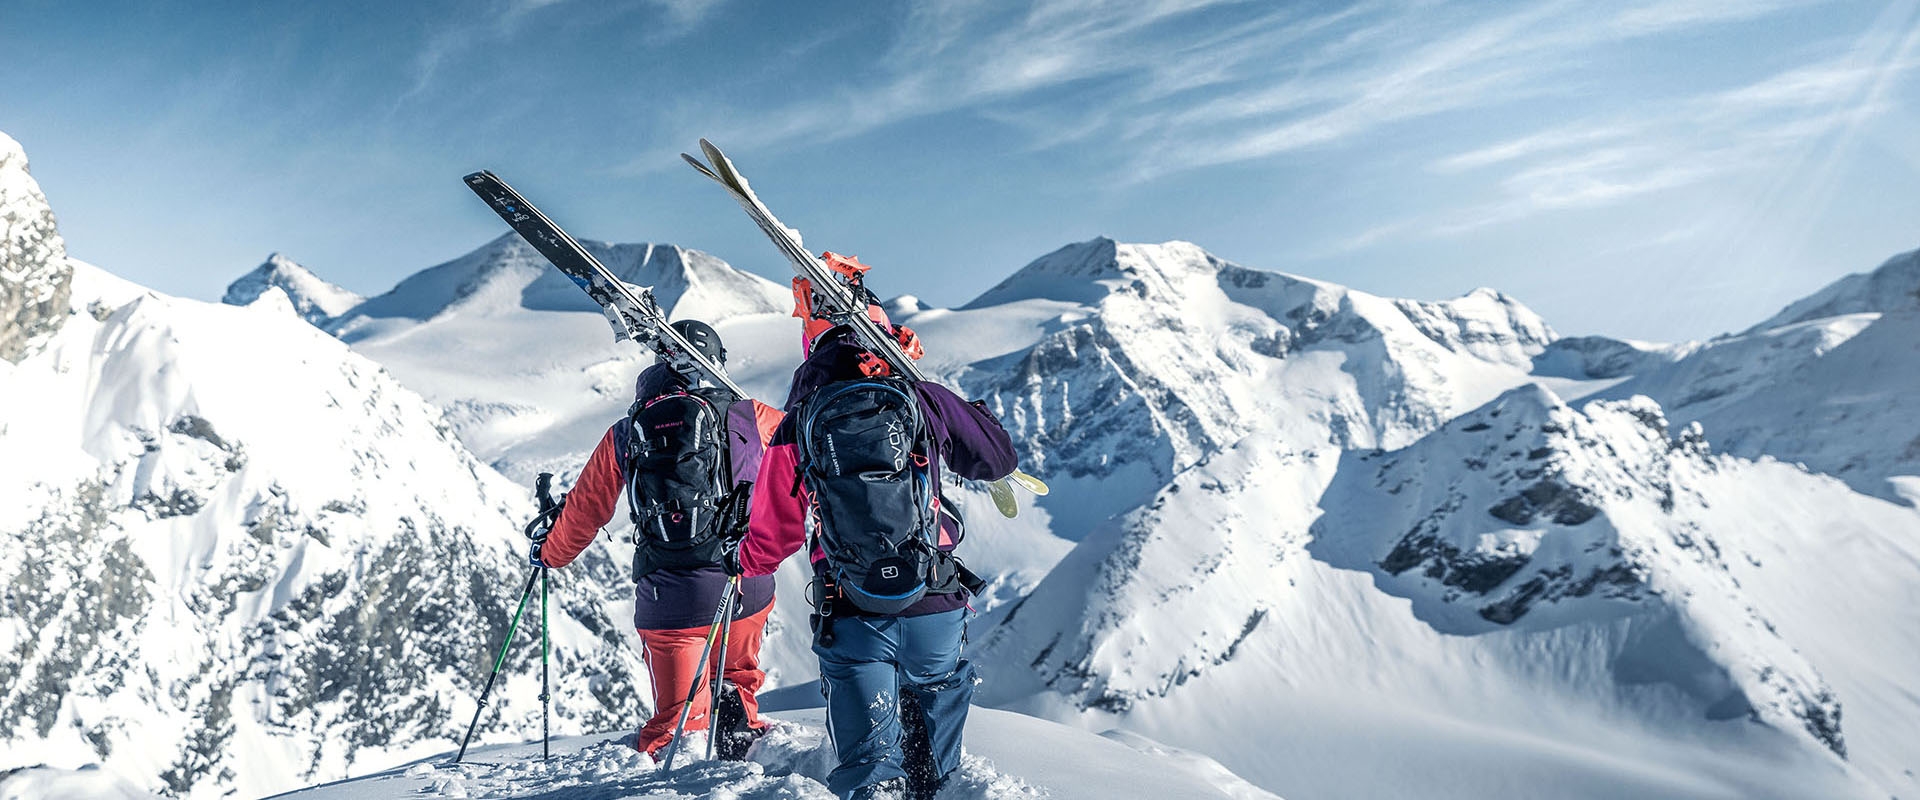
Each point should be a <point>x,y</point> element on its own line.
<point>891,611</point>
<point>687,497</point>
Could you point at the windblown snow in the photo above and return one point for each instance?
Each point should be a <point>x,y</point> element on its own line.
<point>1302,538</point>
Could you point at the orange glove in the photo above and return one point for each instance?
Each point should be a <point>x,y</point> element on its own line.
<point>802,297</point>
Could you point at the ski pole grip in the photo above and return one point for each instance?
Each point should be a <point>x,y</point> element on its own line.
<point>542,490</point>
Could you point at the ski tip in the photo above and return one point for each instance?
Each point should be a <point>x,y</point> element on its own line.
<point>1003,498</point>
<point>476,177</point>
<point>695,163</point>
<point>1030,483</point>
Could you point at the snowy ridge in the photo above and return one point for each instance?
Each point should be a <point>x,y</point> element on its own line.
<point>34,274</point>
<point>1001,763</point>
<point>1893,286</point>
<point>1828,383</point>
<point>508,274</point>
<point>316,300</point>
<point>1584,358</point>
<point>237,579</point>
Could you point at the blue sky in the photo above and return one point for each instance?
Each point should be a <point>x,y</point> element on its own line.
<point>1657,169</point>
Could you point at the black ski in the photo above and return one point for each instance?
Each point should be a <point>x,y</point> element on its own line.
<point>630,309</point>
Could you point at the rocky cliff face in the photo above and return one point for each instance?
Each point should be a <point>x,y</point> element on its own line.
<point>35,278</point>
<point>1530,513</point>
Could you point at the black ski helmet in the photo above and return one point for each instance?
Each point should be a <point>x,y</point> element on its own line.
<point>704,339</point>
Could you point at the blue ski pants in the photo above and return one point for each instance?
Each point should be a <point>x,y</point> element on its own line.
<point>872,661</point>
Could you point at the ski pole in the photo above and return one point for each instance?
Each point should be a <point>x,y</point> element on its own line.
<point>498,662</point>
<point>720,667</point>
<point>545,748</point>
<point>699,676</point>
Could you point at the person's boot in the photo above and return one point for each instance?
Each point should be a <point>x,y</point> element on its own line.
<point>730,724</point>
<point>892,789</point>
<point>917,748</point>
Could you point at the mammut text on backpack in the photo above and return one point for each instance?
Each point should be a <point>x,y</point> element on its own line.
<point>864,462</point>
<point>679,480</point>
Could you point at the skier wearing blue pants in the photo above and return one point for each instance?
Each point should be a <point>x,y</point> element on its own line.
<point>869,659</point>
<point>857,464</point>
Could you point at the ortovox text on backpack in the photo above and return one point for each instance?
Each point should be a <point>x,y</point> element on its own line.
<point>864,459</point>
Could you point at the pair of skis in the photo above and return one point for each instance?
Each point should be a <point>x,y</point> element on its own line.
<point>842,305</point>
<point>636,316</point>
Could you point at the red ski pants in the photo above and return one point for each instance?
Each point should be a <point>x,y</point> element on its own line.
<point>673,657</point>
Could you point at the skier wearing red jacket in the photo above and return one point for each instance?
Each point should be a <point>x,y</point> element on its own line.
<point>679,580</point>
<point>897,688</point>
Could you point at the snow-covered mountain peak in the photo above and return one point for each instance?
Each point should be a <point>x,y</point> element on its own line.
<point>35,277</point>
<point>507,276</point>
<point>313,298</point>
<point>1085,272</point>
<point>1893,286</point>
<point>1147,357</point>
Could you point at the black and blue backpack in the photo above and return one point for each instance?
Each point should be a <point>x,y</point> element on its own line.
<point>866,461</point>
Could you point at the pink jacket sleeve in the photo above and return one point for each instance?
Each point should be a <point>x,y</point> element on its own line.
<point>777,526</point>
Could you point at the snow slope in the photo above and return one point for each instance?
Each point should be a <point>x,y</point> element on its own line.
<point>1008,756</point>
<point>1356,625</point>
<point>315,299</point>
<point>232,540</point>
<point>90,782</point>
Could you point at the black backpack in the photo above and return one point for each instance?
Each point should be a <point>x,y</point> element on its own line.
<point>865,459</point>
<point>679,479</point>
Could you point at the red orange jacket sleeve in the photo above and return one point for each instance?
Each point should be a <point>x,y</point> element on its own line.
<point>590,506</point>
<point>768,419</point>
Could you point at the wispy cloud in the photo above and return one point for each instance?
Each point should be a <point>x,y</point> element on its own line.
<point>1184,84</point>
<point>961,54</point>
<point>1660,17</point>
<point>1146,90</point>
<point>480,24</point>
<point>1763,125</point>
<point>489,21</point>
